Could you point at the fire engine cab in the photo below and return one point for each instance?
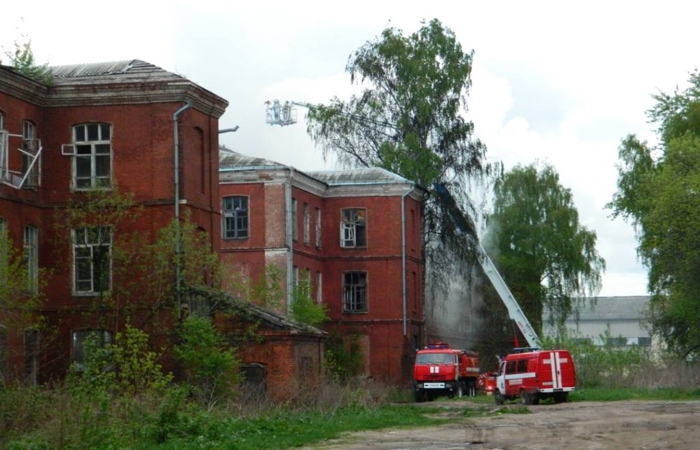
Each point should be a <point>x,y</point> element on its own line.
<point>443,371</point>
<point>533,374</point>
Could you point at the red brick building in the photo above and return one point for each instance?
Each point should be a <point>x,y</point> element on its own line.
<point>95,127</point>
<point>354,235</point>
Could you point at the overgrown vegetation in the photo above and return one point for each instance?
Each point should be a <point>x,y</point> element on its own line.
<point>23,61</point>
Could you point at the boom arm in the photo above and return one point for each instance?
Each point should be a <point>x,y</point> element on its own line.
<point>514,311</point>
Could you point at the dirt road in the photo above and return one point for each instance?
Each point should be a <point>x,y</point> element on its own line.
<point>638,425</point>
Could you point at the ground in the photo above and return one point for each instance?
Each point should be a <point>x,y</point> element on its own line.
<point>626,425</point>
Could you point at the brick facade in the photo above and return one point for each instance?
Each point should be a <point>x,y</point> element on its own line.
<point>136,103</point>
<point>390,326</point>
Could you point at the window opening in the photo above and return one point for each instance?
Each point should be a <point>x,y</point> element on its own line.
<point>318,227</point>
<point>355,291</point>
<point>92,156</point>
<point>236,217</point>
<point>31,257</point>
<point>92,260</point>
<point>30,155</point>
<point>307,224</point>
<point>86,341</point>
<point>31,356</point>
<point>353,228</point>
<point>295,231</point>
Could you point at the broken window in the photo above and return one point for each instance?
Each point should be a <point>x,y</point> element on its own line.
<point>353,228</point>
<point>31,163</point>
<point>235,217</point>
<point>355,291</point>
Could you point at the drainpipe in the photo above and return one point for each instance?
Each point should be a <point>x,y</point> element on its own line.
<point>403,257</point>
<point>176,177</point>
<point>289,240</point>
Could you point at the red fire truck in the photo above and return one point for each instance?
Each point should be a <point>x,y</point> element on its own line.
<point>532,375</point>
<point>443,371</point>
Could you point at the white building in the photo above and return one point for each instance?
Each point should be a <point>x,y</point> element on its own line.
<point>620,320</point>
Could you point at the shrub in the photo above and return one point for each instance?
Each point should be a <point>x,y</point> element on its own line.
<point>209,363</point>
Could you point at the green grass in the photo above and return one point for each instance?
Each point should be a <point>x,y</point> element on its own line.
<point>193,428</point>
<point>288,430</point>
<point>617,394</point>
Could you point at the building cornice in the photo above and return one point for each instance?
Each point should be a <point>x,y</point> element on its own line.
<point>113,92</point>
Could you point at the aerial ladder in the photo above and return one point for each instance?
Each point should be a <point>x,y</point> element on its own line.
<point>278,113</point>
<point>514,311</point>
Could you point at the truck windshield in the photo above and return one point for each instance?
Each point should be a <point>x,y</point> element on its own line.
<point>435,358</point>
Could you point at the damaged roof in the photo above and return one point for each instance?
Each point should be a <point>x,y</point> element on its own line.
<point>230,160</point>
<point>358,176</point>
<point>133,69</point>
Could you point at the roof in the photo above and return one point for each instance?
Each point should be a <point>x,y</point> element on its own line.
<point>229,159</point>
<point>370,175</point>
<point>223,302</point>
<point>133,70</point>
<point>232,160</point>
<point>615,308</point>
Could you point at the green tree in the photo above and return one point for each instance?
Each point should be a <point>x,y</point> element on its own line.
<point>657,192</point>
<point>548,259</point>
<point>409,119</point>
<point>18,303</point>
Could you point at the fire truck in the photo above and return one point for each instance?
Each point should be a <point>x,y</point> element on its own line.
<point>527,373</point>
<point>443,371</point>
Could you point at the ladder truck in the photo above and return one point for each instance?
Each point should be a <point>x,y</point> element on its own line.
<point>527,373</point>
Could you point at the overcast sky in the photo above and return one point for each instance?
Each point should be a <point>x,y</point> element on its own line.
<point>556,81</point>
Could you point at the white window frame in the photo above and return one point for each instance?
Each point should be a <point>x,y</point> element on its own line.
<point>318,228</point>
<point>307,224</point>
<point>31,257</point>
<point>30,145</point>
<point>85,242</point>
<point>90,140</point>
<point>353,228</point>
<point>355,292</point>
<point>236,215</point>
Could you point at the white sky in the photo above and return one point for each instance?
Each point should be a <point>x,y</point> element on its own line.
<point>554,81</point>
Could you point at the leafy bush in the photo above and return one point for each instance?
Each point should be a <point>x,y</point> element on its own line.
<point>304,309</point>
<point>209,363</point>
<point>343,357</point>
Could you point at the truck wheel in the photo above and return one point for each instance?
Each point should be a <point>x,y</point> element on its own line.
<point>471,386</point>
<point>498,397</point>
<point>460,389</point>
<point>525,398</point>
<point>419,396</point>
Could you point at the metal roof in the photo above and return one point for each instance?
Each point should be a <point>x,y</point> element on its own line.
<point>369,175</point>
<point>133,68</point>
<point>230,160</point>
<point>616,308</point>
